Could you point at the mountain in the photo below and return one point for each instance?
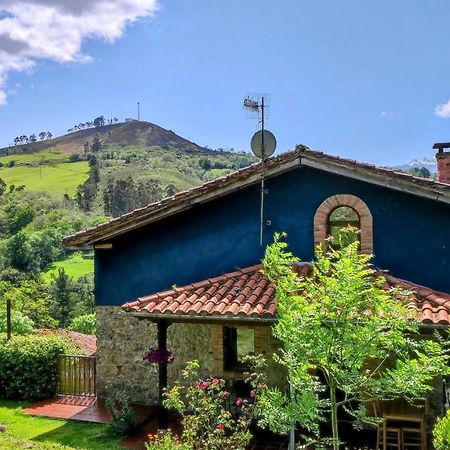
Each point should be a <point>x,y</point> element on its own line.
<point>428,163</point>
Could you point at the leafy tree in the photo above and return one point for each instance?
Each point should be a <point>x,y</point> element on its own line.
<point>32,138</point>
<point>441,433</point>
<point>342,324</point>
<point>21,219</point>
<point>74,157</point>
<point>2,187</point>
<point>62,293</point>
<point>205,163</point>
<point>42,135</point>
<point>19,253</point>
<point>99,121</point>
<point>96,144</point>
<point>49,135</point>
<point>423,172</point>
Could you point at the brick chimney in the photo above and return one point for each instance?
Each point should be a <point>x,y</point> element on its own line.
<point>443,161</point>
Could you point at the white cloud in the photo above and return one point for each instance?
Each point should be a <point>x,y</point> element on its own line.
<point>386,114</point>
<point>443,110</point>
<point>33,30</point>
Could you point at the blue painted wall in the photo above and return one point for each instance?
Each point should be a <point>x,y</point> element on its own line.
<point>411,236</point>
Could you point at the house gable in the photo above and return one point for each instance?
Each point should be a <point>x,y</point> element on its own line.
<point>410,235</point>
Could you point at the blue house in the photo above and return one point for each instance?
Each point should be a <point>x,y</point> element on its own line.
<point>191,261</point>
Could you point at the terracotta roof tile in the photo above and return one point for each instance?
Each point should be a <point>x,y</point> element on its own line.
<point>247,293</point>
<point>242,293</point>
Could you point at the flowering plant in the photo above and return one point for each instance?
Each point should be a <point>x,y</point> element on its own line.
<point>158,356</point>
<point>212,418</point>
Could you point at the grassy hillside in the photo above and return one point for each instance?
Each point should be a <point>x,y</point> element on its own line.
<point>75,266</point>
<point>141,150</point>
<point>141,134</point>
<point>59,179</point>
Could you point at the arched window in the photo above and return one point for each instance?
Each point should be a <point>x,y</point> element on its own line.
<point>340,211</point>
<point>340,218</point>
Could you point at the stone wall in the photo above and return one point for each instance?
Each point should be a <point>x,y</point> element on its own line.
<point>123,339</point>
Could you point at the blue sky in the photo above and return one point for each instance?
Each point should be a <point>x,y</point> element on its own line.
<point>352,78</point>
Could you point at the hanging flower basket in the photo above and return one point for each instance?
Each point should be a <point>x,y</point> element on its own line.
<point>158,356</point>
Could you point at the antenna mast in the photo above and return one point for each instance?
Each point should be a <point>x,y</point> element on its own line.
<point>263,145</point>
<point>139,111</point>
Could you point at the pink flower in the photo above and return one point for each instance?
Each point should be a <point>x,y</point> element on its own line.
<point>215,381</point>
<point>239,402</point>
<point>204,385</point>
<point>226,394</point>
<point>220,426</point>
<point>252,394</point>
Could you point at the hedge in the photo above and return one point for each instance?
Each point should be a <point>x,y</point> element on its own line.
<point>28,365</point>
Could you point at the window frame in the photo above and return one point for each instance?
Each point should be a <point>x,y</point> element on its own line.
<point>230,348</point>
<point>324,210</point>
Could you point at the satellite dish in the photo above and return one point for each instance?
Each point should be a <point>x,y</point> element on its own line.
<point>263,144</point>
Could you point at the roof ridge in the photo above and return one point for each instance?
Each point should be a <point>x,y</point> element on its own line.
<point>174,203</point>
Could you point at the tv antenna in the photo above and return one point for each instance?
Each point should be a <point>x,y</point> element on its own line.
<point>263,144</point>
<point>139,110</point>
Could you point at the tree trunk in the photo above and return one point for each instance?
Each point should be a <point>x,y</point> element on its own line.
<point>334,420</point>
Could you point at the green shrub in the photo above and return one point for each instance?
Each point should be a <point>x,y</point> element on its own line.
<point>28,365</point>
<point>84,324</point>
<point>21,324</point>
<point>441,433</point>
<point>118,403</point>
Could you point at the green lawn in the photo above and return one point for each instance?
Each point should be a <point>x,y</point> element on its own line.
<point>58,179</point>
<point>75,266</point>
<point>40,433</point>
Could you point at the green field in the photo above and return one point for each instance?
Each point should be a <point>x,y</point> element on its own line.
<point>47,155</point>
<point>39,433</point>
<point>63,178</point>
<point>75,266</point>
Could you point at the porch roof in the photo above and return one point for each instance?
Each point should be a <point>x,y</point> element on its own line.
<point>247,295</point>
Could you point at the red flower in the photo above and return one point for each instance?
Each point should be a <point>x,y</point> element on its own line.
<point>220,426</point>
<point>204,385</point>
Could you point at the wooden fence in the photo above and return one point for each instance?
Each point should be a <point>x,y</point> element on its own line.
<point>76,375</point>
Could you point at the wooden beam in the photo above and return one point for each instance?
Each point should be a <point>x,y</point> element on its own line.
<point>163,420</point>
<point>105,246</point>
<point>8,319</point>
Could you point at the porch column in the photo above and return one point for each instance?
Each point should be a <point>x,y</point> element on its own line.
<point>162,381</point>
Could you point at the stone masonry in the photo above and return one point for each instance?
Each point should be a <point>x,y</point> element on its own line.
<point>123,339</point>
